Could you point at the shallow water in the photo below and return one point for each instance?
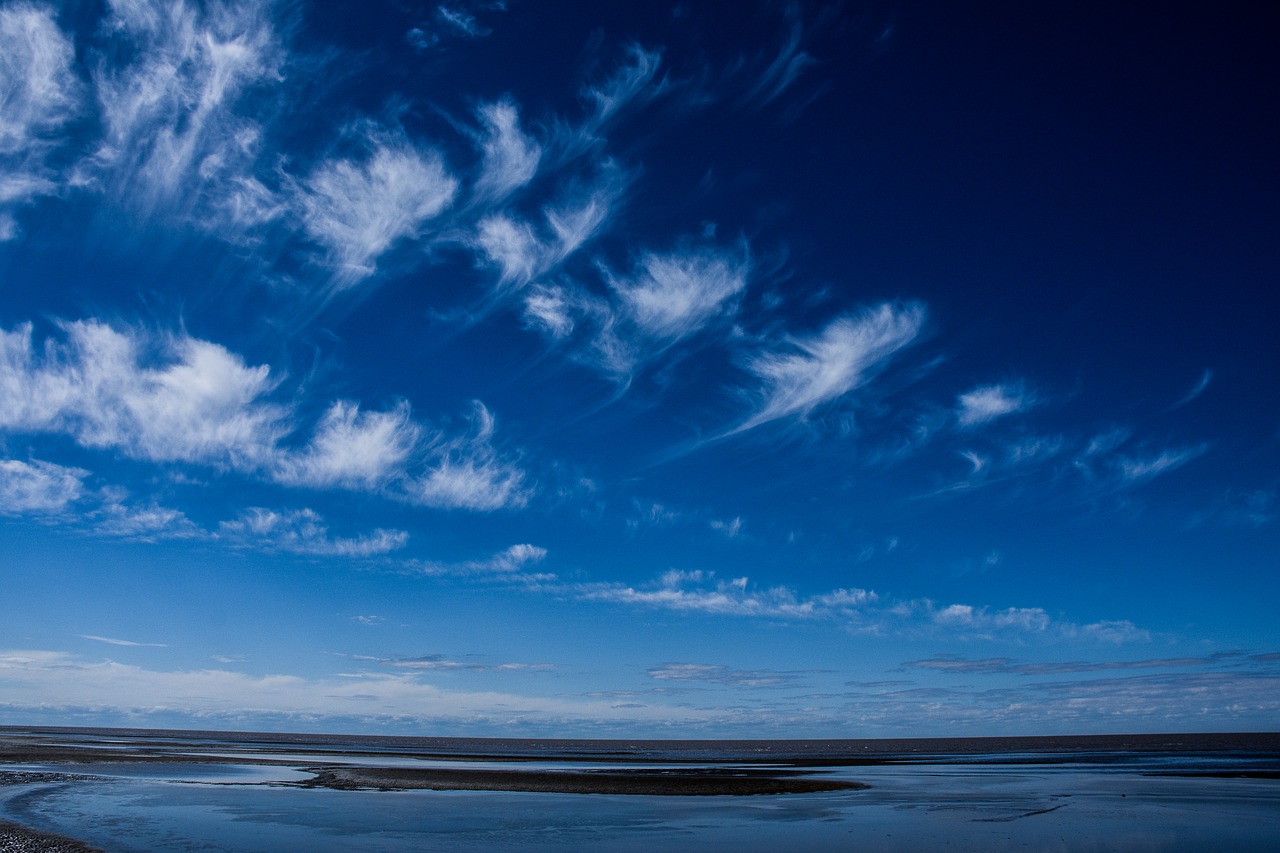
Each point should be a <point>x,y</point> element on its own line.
<point>1023,799</point>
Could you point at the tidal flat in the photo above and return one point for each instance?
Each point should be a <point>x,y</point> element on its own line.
<point>149,790</point>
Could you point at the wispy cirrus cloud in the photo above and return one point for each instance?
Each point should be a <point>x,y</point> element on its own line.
<point>513,563</point>
<point>357,208</point>
<point>461,21</point>
<point>118,516</point>
<point>466,472</point>
<point>859,611</point>
<point>723,675</point>
<point>700,592</point>
<point>201,403</point>
<point>305,532</point>
<point>353,448</point>
<point>38,487</point>
<point>175,398</point>
<point>39,95</point>
<point>784,70</point>
<point>988,402</point>
<point>114,642</point>
<point>176,131</point>
<point>807,372</point>
<point>1009,666</point>
<point>1196,390</point>
<point>441,663</point>
<point>46,489</point>
<point>668,297</point>
<point>632,81</point>
<point>672,295</point>
<point>522,252</point>
<point>1140,469</point>
<point>509,156</point>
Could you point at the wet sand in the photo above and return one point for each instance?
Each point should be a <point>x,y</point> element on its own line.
<point>674,783</point>
<point>15,838</point>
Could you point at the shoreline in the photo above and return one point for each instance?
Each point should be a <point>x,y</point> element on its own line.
<point>18,838</point>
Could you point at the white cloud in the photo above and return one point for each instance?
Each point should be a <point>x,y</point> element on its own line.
<point>969,618</point>
<point>116,517</point>
<point>53,681</point>
<point>633,80</point>
<point>174,136</point>
<point>461,21</point>
<point>522,254</point>
<point>512,247</point>
<point>700,592</point>
<point>38,487</point>
<point>988,402</point>
<point>809,372</point>
<point>180,399</point>
<point>114,642</point>
<point>671,296</point>
<point>731,528</point>
<point>552,309</point>
<point>719,674</point>
<point>577,219</point>
<point>1139,469</point>
<point>358,208</point>
<point>510,157</point>
<point>198,403</point>
<point>353,449</point>
<point>39,94</point>
<point>305,532</point>
<point>512,562</point>
<point>1115,631</point>
<point>466,472</point>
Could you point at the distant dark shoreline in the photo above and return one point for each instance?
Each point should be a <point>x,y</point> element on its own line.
<point>796,752</point>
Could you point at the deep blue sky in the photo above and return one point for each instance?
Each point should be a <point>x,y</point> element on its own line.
<point>639,369</point>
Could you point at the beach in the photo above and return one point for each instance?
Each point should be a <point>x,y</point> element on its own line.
<point>129,790</point>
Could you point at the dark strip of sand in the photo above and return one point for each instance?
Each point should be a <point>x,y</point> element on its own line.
<point>678,783</point>
<point>15,838</point>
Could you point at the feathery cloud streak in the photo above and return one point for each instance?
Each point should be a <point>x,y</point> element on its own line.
<point>811,371</point>
<point>39,94</point>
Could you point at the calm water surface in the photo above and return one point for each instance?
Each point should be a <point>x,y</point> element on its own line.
<point>963,799</point>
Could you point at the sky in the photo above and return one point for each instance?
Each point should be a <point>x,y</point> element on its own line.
<point>802,370</point>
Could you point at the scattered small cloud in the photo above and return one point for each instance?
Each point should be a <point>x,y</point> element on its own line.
<point>509,156</point>
<point>808,372</point>
<point>114,642</point>
<point>512,563</point>
<point>358,208</point>
<point>353,449</point>
<point>1009,666</point>
<point>730,528</point>
<point>1195,390</point>
<point>305,532</point>
<point>461,21</point>
<point>723,675</point>
<point>466,472</point>
<point>988,402</point>
<point>440,663</point>
<point>38,487</point>
<point>1140,469</point>
<point>700,592</point>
